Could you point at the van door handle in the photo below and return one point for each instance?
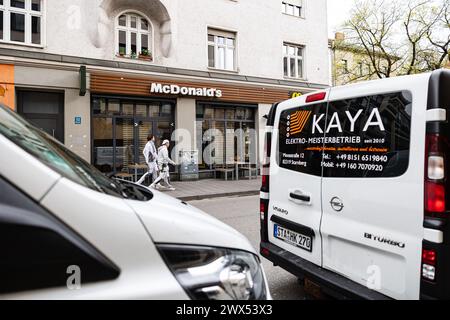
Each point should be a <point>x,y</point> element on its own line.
<point>300,197</point>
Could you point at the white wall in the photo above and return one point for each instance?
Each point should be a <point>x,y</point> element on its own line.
<point>261,30</point>
<point>78,137</point>
<point>81,28</point>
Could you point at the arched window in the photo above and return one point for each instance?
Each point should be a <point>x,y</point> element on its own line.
<point>134,36</point>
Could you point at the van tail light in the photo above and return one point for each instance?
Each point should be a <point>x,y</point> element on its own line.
<point>429,264</point>
<point>263,211</point>
<point>265,181</point>
<point>434,197</point>
<point>435,174</point>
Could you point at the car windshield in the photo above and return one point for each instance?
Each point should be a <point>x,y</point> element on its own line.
<point>55,155</point>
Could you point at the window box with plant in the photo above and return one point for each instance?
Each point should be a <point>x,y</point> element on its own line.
<point>122,52</point>
<point>145,55</point>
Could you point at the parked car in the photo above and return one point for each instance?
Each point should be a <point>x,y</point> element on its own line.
<point>355,197</point>
<point>69,232</point>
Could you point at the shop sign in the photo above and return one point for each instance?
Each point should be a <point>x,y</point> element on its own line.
<point>185,91</point>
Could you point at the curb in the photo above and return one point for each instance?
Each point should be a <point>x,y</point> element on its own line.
<point>220,195</point>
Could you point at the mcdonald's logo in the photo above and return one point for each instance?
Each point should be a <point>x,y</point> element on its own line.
<point>297,122</point>
<point>294,94</point>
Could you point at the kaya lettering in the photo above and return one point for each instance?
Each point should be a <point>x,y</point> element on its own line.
<point>374,120</point>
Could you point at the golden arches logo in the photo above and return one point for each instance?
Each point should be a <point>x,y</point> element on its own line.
<point>298,121</point>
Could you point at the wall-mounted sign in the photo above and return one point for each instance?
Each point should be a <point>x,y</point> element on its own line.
<point>185,91</point>
<point>2,91</point>
<point>77,120</point>
<point>83,81</point>
<point>294,94</point>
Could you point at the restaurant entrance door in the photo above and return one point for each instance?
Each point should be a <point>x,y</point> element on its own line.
<point>130,138</point>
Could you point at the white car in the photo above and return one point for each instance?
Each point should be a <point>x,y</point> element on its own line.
<point>355,197</point>
<point>68,232</point>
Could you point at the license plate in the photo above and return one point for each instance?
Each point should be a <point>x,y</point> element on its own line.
<point>293,238</point>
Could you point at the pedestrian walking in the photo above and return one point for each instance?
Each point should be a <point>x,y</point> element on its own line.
<point>151,157</point>
<point>163,166</point>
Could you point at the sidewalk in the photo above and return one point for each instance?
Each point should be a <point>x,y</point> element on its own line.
<point>207,189</point>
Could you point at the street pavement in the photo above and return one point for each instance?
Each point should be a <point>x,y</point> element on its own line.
<point>213,188</point>
<point>242,214</point>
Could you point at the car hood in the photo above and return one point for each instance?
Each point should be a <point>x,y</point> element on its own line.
<point>172,221</point>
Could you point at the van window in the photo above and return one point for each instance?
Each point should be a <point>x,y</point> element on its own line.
<point>299,145</point>
<point>54,155</point>
<point>368,136</point>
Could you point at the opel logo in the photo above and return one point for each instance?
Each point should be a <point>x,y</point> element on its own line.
<point>337,204</point>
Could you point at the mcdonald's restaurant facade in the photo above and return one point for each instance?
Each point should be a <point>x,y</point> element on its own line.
<point>104,111</point>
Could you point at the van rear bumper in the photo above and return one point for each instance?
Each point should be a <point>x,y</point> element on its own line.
<point>331,283</point>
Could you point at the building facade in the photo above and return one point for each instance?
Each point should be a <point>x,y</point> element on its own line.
<point>351,63</point>
<point>101,75</point>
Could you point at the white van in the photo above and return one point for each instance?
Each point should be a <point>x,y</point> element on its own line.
<point>355,195</point>
<point>68,232</point>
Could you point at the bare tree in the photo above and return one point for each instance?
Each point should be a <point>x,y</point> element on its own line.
<point>397,37</point>
<point>441,42</point>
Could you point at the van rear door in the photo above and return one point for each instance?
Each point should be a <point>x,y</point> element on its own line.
<point>373,192</point>
<point>295,209</point>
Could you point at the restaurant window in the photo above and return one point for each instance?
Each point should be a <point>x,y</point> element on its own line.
<point>25,21</point>
<point>221,50</point>
<point>120,129</point>
<point>225,135</point>
<point>134,37</point>
<point>293,61</point>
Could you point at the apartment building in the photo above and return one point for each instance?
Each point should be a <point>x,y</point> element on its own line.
<point>101,75</point>
<point>350,63</point>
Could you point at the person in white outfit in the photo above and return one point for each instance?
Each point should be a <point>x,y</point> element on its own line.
<point>151,158</point>
<point>163,166</point>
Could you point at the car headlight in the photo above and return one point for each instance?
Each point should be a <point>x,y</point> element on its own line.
<point>216,274</point>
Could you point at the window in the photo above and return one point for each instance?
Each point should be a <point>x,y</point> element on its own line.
<point>134,36</point>
<point>296,125</point>
<point>344,65</point>
<point>380,135</point>
<point>1,24</point>
<point>360,69</point>
<point>293,61</point>
<point>120,129</point>
<point>368,69</point>
<point>225,134</point>
<point>221,50</point>
<point>38,248</point>
<point>366,137</point>
<point>21,21</point>
<point>292,9</point>
<point>54,155</point>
